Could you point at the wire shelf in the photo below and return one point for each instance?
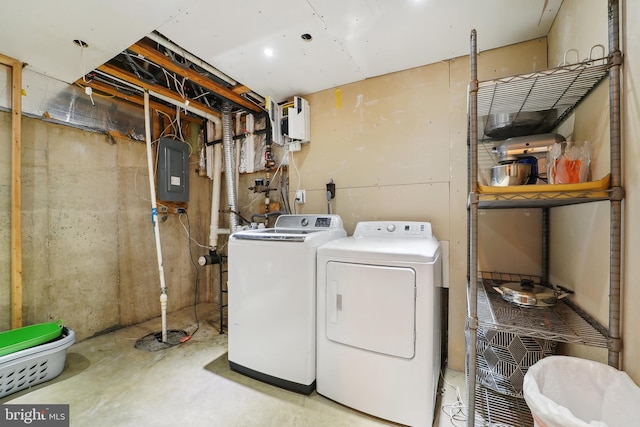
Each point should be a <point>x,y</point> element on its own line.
<point>560,89</point>
<point>495,409</point>
<point>562,323</point>
<point>540,200</point>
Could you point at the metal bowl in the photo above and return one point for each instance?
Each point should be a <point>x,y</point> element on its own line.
<point>509,174</point>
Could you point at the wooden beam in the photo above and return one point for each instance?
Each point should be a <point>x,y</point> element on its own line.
<point>16,190</point>
<point>240,89</point>
<point>158,58</point>
<point>131,78</point>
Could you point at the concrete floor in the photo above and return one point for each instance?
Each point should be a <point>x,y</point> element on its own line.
<point>108,382</point>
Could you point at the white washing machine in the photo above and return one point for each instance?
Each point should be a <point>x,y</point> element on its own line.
<point>272,299</point>
<point>379,320</point>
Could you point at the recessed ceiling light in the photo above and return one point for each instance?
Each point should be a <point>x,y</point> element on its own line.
<point>81,43</point>
<point>268,52</point>
<point>306,37</point>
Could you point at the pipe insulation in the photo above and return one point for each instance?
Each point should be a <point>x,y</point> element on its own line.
<point>229,163</point>
<point>154,215</point>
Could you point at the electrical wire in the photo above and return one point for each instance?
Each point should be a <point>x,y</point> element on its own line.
<point>82,62</point>
<point>135,178</point>
<point>253,201</point>
<point>293,163</point>
<point>454,411</point>
<point>171,124</point>
<point>189,233</point>
<point>197,277</point>
<point>100,95</point>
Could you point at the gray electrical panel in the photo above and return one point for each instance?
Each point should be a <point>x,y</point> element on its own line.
<point>173,170</point>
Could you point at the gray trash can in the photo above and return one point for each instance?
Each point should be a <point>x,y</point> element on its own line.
<point>564,391</point>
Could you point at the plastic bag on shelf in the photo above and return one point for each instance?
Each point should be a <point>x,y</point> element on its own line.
<point>564,391</point>
<point>568,164</point>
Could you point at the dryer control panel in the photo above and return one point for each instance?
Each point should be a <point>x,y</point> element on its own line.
<point>421,229</point>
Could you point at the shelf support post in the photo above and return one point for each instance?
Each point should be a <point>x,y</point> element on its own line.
<point>615,58</point>
<point>472,232</point>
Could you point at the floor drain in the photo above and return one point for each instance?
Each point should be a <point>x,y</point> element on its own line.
<point>153,342</point>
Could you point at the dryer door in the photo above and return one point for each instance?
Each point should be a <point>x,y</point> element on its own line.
<point>372,307</point>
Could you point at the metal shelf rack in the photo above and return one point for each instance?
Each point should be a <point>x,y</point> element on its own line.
<point>560,89</point>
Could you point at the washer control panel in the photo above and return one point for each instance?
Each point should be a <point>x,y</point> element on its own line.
<point>394,229</point>
<point>316,222</point>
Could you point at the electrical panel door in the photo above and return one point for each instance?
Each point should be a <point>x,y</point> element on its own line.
<point>173,170</point>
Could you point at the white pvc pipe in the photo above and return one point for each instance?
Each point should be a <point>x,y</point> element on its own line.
<point>154,215</point>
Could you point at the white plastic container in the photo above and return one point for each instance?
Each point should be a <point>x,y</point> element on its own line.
<point>34,365</point>
<point>564,391</point>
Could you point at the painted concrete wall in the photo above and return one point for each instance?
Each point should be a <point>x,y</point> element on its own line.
<point>581,246</point>
<point>395,146</point>
<point>88,248</point>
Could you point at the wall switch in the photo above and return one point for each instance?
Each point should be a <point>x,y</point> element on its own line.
<point>301,196</point>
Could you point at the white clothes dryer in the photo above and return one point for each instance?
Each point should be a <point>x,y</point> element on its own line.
<point>272,299</point>
<point>378,320</point>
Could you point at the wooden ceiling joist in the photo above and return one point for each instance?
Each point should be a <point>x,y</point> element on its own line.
<point>161,90</point>
<point>158,58</point>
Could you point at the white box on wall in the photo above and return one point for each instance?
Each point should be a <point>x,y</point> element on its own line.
<point>299,122</point>
<point>275,114</point>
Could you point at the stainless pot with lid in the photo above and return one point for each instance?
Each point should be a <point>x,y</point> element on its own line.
<point>527,294</point>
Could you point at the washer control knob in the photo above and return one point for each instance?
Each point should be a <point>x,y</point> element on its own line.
<point>391,228</point>
<point>304,222</point>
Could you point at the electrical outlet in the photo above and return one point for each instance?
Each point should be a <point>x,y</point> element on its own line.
<point>301,196</point>
<point>295,146</point>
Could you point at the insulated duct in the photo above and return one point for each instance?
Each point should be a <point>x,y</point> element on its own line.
<point>229,164</point>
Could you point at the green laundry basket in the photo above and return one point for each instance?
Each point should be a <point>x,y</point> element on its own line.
<point>29,336</point>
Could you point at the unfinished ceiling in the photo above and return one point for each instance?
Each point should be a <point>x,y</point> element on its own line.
<point>314,44</point>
